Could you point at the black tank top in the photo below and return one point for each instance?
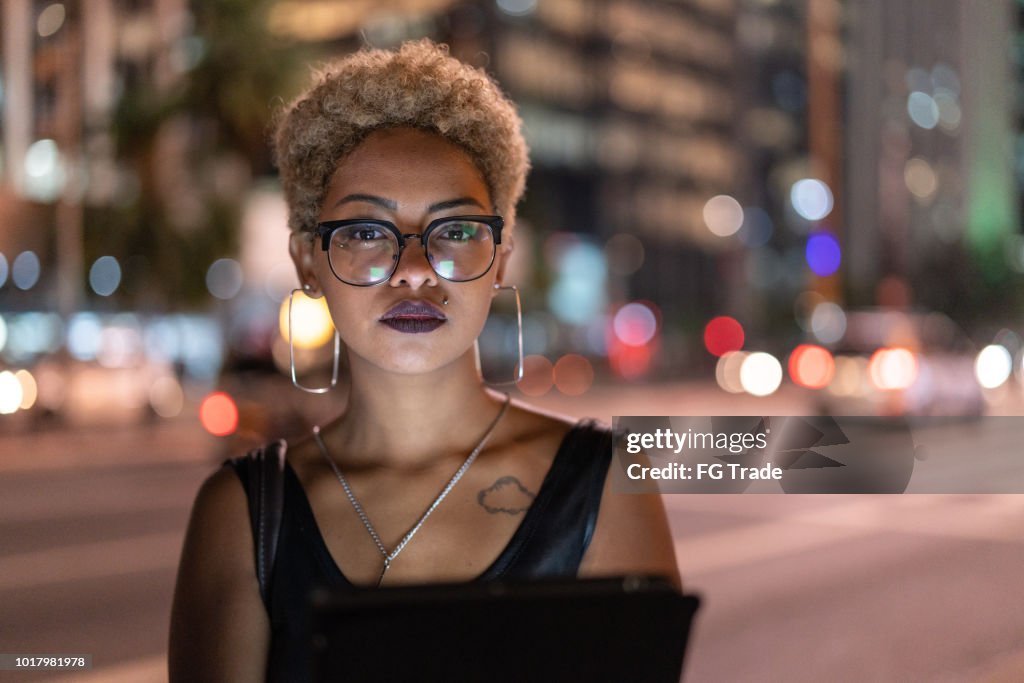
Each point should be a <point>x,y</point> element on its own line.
<point>550,541</point>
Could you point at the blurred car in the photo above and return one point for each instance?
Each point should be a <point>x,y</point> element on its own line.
<point>891,362</point>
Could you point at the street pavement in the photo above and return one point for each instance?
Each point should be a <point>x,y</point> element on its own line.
<point>795,588</point>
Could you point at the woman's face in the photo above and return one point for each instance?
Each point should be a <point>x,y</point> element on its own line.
<point>410,178</point>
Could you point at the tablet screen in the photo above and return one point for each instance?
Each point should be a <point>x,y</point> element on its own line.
<point>616,629</point>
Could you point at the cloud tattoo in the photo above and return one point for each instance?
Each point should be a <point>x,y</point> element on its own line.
<point>506,495</point>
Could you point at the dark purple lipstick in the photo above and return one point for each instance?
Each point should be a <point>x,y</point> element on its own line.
<point>413,316</point>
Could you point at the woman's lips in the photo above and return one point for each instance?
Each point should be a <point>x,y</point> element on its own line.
<point>413,317</point>
<point>413,325</point>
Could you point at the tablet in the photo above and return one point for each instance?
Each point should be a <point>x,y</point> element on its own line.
<point>632,628</point>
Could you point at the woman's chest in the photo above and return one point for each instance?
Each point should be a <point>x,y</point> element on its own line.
<point>424,525</point>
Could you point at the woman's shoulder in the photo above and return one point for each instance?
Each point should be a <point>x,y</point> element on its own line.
<point>217,607</point>
<point>548,431</point>
<point>536,419</point>
<point>528,423</point>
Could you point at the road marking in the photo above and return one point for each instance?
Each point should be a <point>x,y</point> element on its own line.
<point>101,559</point>
<point>147,670</point>
<point>976,517</point>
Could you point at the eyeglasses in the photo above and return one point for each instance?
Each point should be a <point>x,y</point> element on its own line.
<point>364,252</point>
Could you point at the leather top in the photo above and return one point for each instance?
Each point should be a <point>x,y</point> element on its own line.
<point>549,542</point>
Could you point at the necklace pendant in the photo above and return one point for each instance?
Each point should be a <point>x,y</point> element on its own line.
<point>380,579</point>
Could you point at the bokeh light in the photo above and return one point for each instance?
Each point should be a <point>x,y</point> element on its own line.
<point>3,269</point>
<point>3,333</point>
<point>811,198</point>
<point>33,333</point>
<point>121,343</point>
<point>538,376</point>
<point>828,322</point>
<point>950,113</point>
<point>166,397</point>
<point>219,414</point>
<point>29,389</point>
<point>893,368</point>
<point>10,393</point>
<point>922,110</point>
<point>84,336</point>
<point>723,334</point>
<point>579,293</point>
<point>573,374</point>
<point>849,376</point>
<point>311,321</point>
<point>993,366</point>
<point>105,275</point>
<point>25,270</point>
<point>811,366</point>
<point>44,171</point>
<point>823,253</point>
<point>635,324</point>
<point>224,278</point>
<point>50,19</point>
<point>760,374</point>
<point>727,371</point>
<point>517,8</point>
<point>723,215</point>
<point>920,178</point>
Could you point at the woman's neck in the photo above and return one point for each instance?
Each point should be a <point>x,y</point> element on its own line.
<point>412,420</point>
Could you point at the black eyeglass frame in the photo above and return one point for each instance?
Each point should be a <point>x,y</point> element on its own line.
<point>326,229</point>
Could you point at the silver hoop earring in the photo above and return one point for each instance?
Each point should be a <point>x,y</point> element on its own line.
<point>291,351</point>
<point>519,338</point>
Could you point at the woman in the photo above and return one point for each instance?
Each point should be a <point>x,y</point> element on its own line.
<point>386,147</point>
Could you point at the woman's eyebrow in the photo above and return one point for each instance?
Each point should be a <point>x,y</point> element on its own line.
<point>392,205</point>
<point>452,203</point>
<point>370,199</point>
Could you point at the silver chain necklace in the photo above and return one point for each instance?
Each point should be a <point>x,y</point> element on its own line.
<point>390,556</point>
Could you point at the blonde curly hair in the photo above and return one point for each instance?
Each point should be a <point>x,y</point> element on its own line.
<point>419,85</point>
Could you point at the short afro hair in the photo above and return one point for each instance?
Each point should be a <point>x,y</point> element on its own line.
<point>418,85</point>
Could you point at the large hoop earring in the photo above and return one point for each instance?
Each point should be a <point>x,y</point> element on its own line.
<point>291,351</point>
<point>519,339</point>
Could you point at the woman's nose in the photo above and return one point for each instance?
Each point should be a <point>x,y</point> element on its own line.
<point>413,267</point>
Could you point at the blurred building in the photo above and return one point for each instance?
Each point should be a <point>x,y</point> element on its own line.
<point>933,204</point>
<point>772,131</point>
<point>65,67</point>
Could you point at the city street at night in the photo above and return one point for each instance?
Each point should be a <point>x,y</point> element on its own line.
<point>796,588</point>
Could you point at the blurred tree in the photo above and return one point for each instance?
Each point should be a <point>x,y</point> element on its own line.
<point>193,142</point>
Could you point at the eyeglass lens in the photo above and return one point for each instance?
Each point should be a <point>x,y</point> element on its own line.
<point>367,253</point>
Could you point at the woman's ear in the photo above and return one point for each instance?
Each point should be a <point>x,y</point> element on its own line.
<point>502,258</point>
<point>301,246</point>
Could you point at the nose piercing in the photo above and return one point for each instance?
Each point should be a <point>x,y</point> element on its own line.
<point>444,301</point>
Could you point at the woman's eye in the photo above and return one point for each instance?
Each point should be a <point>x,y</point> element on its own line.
<point>459,232</point>
<point>361,233</point>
